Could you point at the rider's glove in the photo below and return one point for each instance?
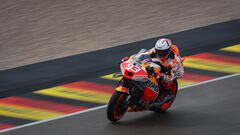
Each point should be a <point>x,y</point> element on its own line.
<point>125,59</point>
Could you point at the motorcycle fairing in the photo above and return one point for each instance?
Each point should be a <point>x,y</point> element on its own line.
<point>149,94</point>
<point>130,70</point>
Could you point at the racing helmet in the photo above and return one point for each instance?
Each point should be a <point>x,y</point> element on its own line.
<point>163,47</point>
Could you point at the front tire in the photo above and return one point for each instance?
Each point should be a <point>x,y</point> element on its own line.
<point>117,106</point>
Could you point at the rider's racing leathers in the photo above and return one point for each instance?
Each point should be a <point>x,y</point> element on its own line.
<point>171,63</point>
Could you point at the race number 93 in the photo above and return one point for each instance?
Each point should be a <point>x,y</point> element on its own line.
<point>132,68</point>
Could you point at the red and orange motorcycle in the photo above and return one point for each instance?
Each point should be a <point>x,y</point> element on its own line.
<point>138,88</point>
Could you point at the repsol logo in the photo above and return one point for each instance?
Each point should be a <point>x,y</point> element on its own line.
<point>152,86</point>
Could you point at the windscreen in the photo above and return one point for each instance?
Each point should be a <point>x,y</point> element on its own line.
<point>140,56</point>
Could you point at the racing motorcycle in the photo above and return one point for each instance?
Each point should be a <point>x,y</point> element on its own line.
<point>138,88</point>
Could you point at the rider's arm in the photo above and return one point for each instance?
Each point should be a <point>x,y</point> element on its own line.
<point>177,70</point>
<point>176,66</point>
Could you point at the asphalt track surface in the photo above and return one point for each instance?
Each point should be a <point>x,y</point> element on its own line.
<point>207,109</point>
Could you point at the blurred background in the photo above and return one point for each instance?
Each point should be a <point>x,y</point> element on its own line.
<point>32,31</point>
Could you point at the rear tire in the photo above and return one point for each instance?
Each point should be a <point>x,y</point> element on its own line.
<point>117,106</point>
<point>164,107</point>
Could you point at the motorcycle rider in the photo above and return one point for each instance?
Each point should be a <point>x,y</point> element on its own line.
<point>166,54</point>
<point>168,57</point>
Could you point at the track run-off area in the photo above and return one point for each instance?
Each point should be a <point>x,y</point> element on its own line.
<point>72,97</point>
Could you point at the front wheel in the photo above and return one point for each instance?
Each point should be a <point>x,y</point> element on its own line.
<point>165,106</point>
<point>117,106</point>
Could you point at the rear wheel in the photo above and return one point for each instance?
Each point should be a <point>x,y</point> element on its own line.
<point>117,106</point>
<point>173,89</point>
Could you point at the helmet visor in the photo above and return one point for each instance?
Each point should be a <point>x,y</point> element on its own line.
<point>162,53</point>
